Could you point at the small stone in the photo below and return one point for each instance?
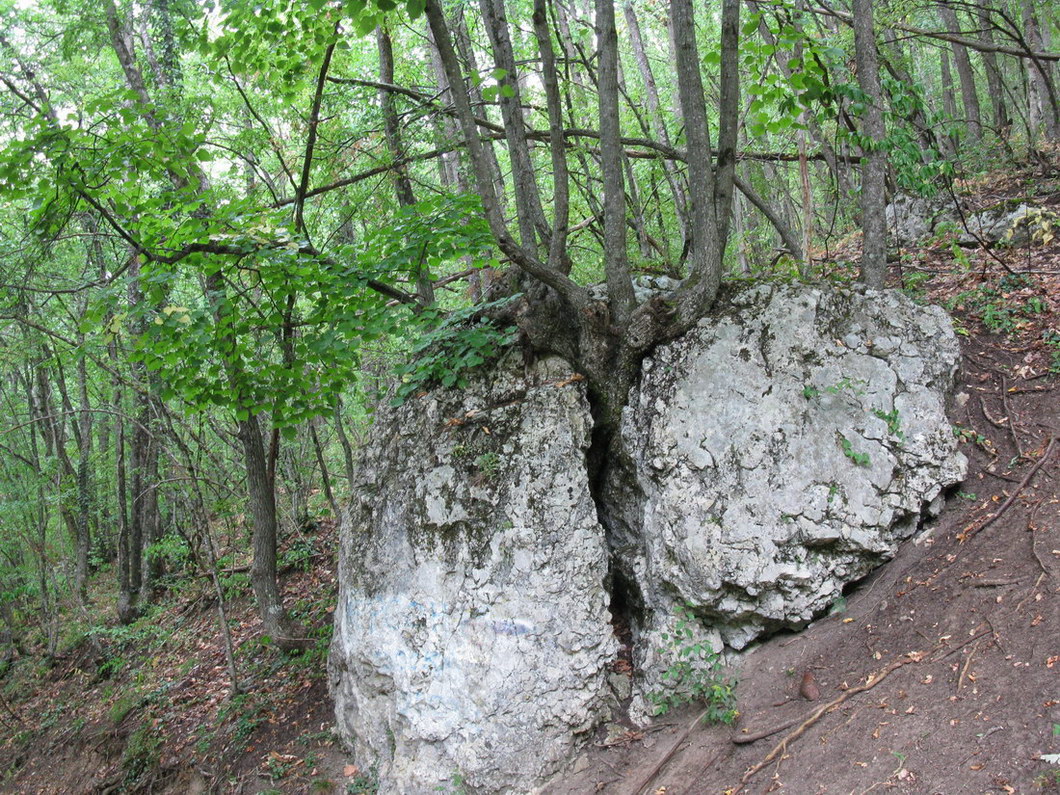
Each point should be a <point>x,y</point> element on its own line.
<point>808,688</point>
<point>621,685</point>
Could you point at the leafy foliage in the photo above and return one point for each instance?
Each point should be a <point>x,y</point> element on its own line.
<point>447,353</point>
<point>694,674</point>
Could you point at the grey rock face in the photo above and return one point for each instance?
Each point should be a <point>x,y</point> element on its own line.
<point>472,633</point>
<point>779,451</point>
<point>776,453</point>
<point>910,218</point>
<point>1023,226</point>
<point>993,225</point>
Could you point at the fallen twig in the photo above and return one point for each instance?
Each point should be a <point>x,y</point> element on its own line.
<point>964,670</point>
<point>1008,413</point>
<point>1034,588</point>
<point>960,646</point>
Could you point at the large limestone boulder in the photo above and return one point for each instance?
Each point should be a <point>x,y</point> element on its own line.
<point>779,451</point>
<point>472,633</point>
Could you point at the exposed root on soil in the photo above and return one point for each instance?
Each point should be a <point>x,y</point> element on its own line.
<point>761,734</point>
<point>647,780</point>
<point>873,680</point>
<point>973,529</point>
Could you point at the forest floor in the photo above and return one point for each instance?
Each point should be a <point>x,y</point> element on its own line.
<point>939,673</point>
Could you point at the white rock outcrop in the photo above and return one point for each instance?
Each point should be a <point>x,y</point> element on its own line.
<point>778,452</point>
<point>775,454</point>
<point>472,635</point>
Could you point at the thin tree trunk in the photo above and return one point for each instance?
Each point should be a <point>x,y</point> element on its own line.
<point>616,258</point>
<point>728,114</point>
<point>325,476</point>
<point>347,448</point>
<point>53,426</point>
<point>893,64</point>
<point>529,213</point>
<point>449,162</point>
<point>474,91</point>
<point>84,478</point>
<point>391,125</point>
<point>873,270</point>
<point>993,74</point>
<point>557,248</point>
<point>1042,100</point>
<point>285,633</point>
<point>963,63</point>
<point>651,96</point>
<point>392,132</point>
<point>704,272</point>
<point>949,98</point>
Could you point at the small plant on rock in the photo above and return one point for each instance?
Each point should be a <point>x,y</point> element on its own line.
<point>694,674</point>
<point>487,465</point>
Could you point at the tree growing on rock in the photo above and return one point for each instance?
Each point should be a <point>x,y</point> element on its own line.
<point>604,339</point>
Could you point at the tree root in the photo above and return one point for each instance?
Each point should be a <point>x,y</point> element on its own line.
<point>873,680</point>
<point>761,734</point>
<point>647,780</point>
<point>966,534</point>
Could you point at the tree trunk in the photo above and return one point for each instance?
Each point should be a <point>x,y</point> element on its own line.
<point>467,54</point>
<point>994,81</point>
<point>347,448</point>
<point>285,633</point>
<point>972,115</point>
<point>84,476</point>
<point>1042,100</point>
<point>325,476</point>
<point>704,278</point>
<point>949,100</point>
<point>728,115</point>
<point>616,259</point>
<point>920,123</point>
<point>557,245</point>
<point>392,132</point>
<point>651,96</point>
<point>391,125</point>
<point>874,166</point>
<point>53,426</point>
<point>529,212</point>
<point>449,162</point>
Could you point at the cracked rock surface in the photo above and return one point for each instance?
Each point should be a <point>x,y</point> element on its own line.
<point>776,453</point>
<point>472,633</point>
